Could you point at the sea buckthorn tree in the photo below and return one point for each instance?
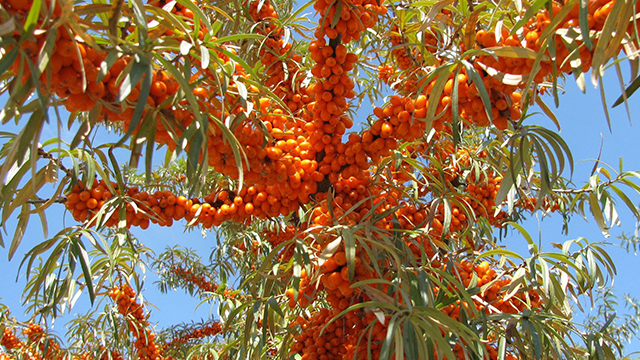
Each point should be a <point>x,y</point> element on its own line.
<point>360,162</point>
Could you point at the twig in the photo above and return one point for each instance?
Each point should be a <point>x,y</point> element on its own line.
<point>60,200</point>
<point>58,162</point>
<point>579,191</point>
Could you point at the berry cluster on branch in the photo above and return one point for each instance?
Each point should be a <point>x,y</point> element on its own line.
<point>146,347</point>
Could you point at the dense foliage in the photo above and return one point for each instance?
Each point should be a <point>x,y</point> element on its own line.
<point>377,243</point>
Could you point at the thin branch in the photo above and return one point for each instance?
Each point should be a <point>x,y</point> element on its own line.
<point>580,191</point>
<point>60,200</point>
<point>58,162</point>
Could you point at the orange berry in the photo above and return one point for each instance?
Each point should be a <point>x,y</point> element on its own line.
<point>248,208</point>
<point>85,195</point>
<point>92,203</point>
<point>72,198</point>
<point>386,130</point>
<point>158,89</point>
<point>340,258</point>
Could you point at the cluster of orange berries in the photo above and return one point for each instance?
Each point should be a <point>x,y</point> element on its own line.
<point>9,340</point>
<point>504,100</point>
<point>281,175</point>
<point>12,344</point>
<point>48,348</point>
<point>451,161</point>
<point>306,292</point>
<point>402,119</point>
<point>287,164</point>
<point>385,72</point>
<point>356,335</point>
<point>346,166</point>
<point>110,355</point>
<point>480,190</point>
<point>285,168</point>
<point>334,272</point>
<point>349,191</point>
<point>342,22</point>
<point>125,298</point>
<point>198,333</point>
<point>354,17</point>
<point>548,204</point>
<point>283,75</point>
<point>76,74</point>
<point>73,74</point>
<point>504,94</point>
<point>29,46</point>
<point>510,65</point>
<point>597,13</point>
<point>313,343</point>
<point>33,331</point>
<point>481,194</point>
<point>329,99</point>
<point>163,207</point>
<point>127,305</point>
<point>45,348</point>
<point>405,59</point>
<point>202,284</point>
<point>492,299</point>
<point>265,14</point>
<point>373,333</point>
<point>458,220</point>
<point>335,278</point>
<point>278,236</point>
<point>84,203</point>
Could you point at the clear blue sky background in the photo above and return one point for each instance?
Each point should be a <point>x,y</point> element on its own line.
<point>583,126</point>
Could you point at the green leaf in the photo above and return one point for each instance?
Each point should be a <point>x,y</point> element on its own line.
<point>509,179</point>
<point>385,350</point>
<point>350,251</point>
<point>8,59</point>
<point>411,341</point>
<point>515,52</point>
<point>26,193</point>
<point>442,76</point>
<point>584,23</point>
<point>630,205</point>
<point>31,22</point>
<point>21,228</point>
<point>547,111</point>
<point>521,230</point>
<point>606,36</point>
<point>635,84</point>
<point>596,211</point>
<point>482,90</point>
<point>141,67</point>
<point>79,252</point>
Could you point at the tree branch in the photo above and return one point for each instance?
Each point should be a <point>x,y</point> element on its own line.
<point>579,191</point>
<point>60,200</point>
<point>44,154</point>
